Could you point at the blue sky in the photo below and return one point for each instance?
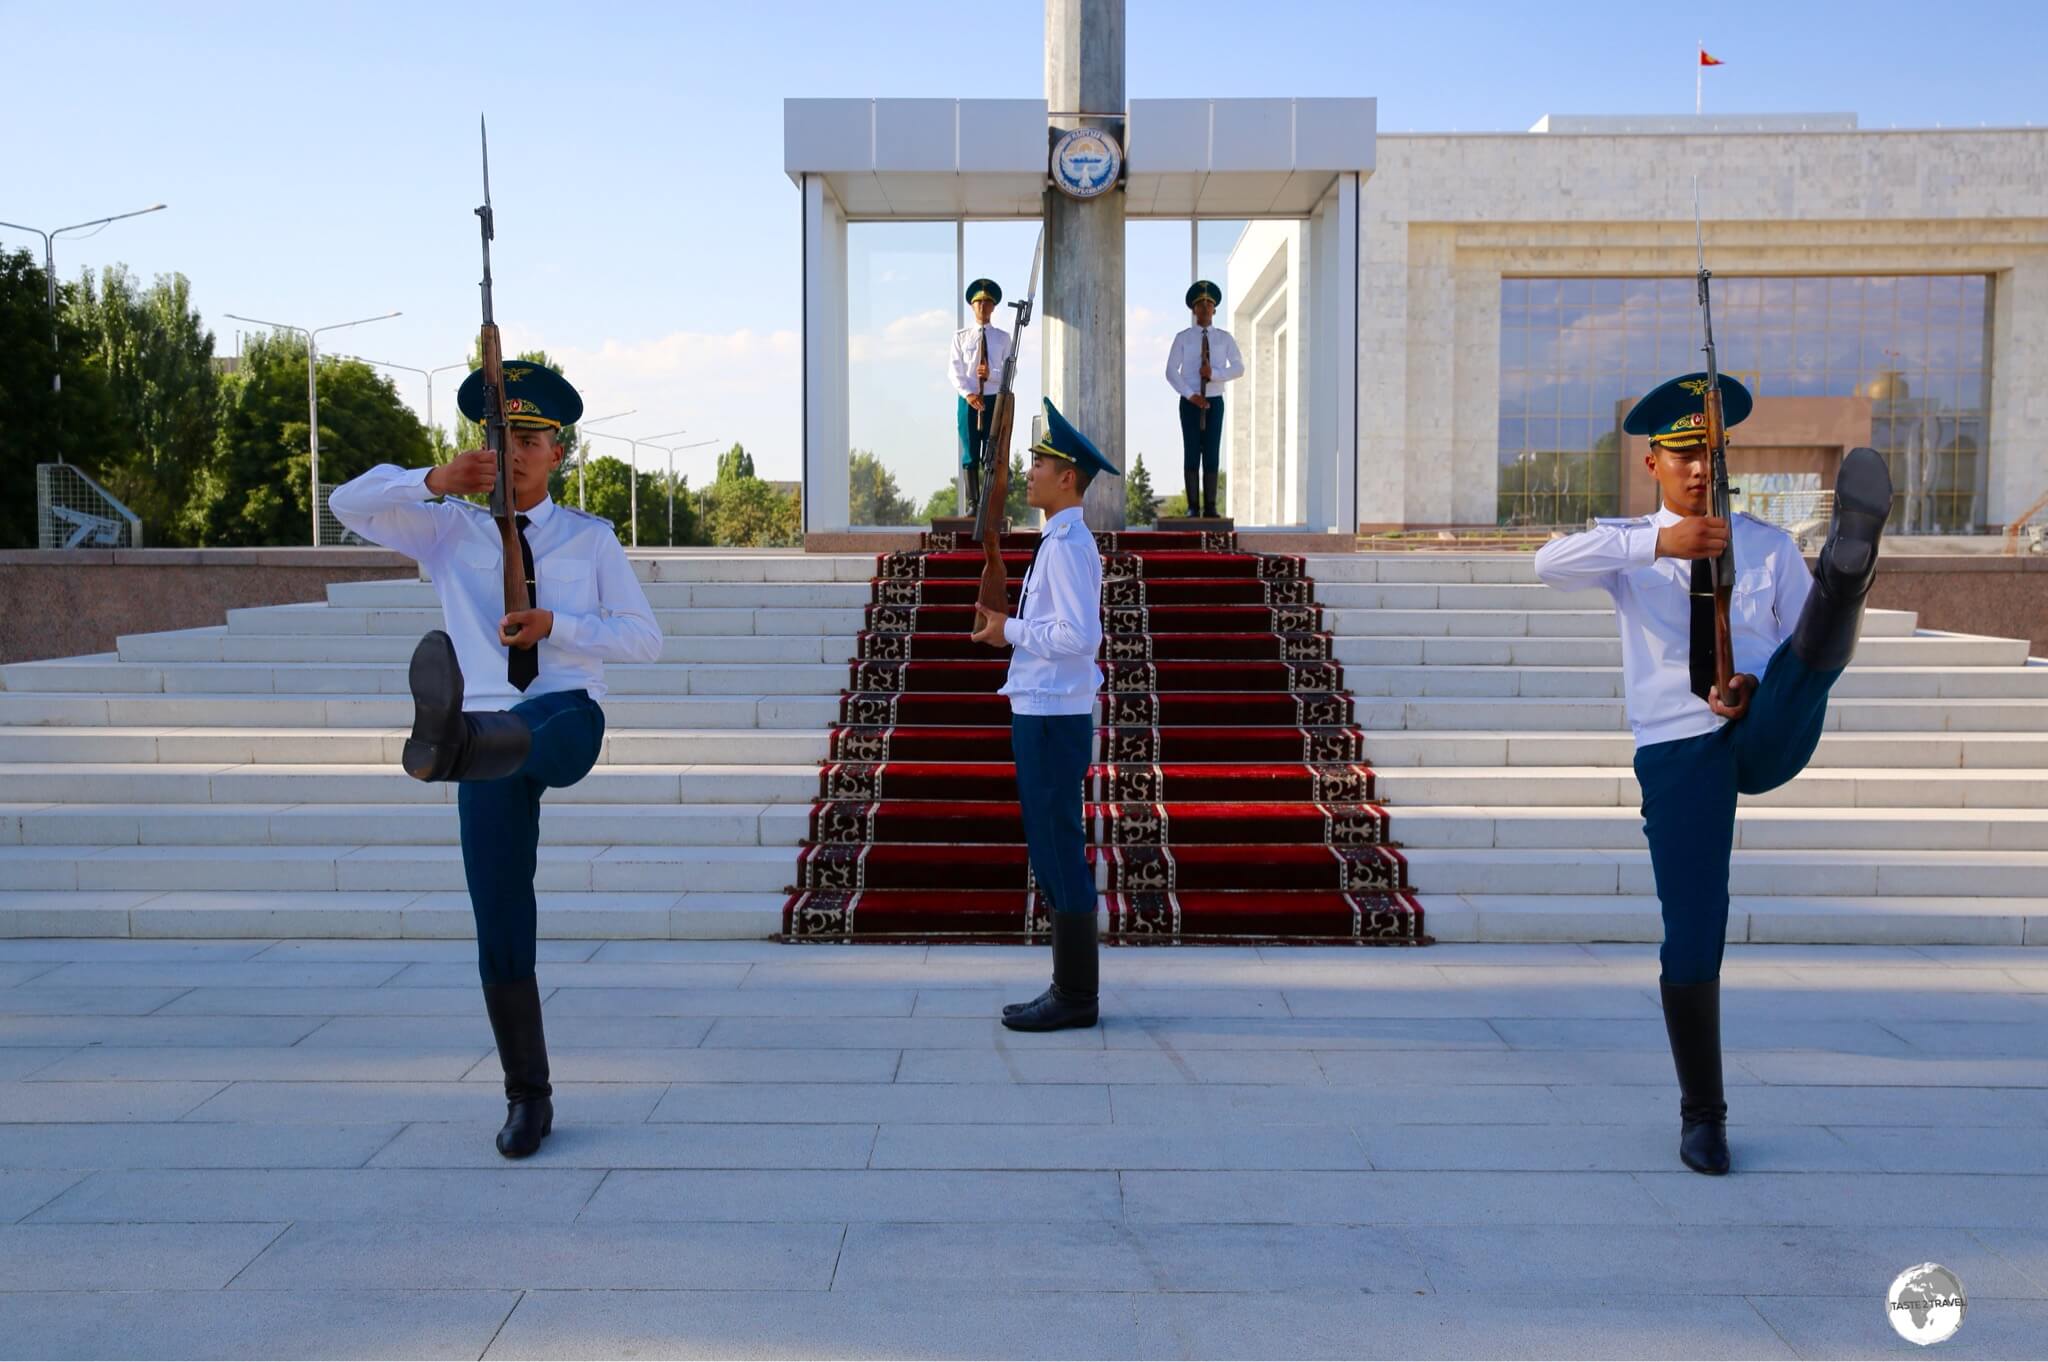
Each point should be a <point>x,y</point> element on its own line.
<point>320,161</point>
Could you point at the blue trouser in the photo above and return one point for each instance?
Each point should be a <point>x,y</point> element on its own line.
<point>1200,448</point>
<point>972,440</point>
<point>501,828</point>
<point>1689,787</point>
<point>1052,752</point>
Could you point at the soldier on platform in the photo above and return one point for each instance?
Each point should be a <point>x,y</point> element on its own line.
<point>977,372</point>
<point>1055,636</point>
<point>507,704</point>
<point>1793,631</point>
<point>1201,360</point>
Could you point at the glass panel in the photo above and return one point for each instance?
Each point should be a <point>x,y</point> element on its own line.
<point>901,318</point>
<point>1908,351</point>
<point>1002,251</point>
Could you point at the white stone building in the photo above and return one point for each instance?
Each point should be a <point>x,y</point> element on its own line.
<point>1518,291</point>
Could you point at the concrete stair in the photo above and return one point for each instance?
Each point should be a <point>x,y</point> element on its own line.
<point>242,780</point>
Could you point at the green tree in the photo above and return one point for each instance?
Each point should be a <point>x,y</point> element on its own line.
<point>945,501</point>
<point>1141,507</point>
<point>253,486</point>
<point>872,495</point>
<point>747,512</point>
<point>605,489</point>
<point>735,463</point>
<point>75,425</point>
<point>155,359</point>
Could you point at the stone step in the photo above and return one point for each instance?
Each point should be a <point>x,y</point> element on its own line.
<point>1571,870</point>
<point>85,708</point>
<point>206,783</point>
<point>432,914</point>
<point>784,822</point>
<point>1343,620</point>
<point>1985,791</point>
<point>318,618</point>
<point>372,868</point>
<point>696,822</point>
<point>1836,919</point>
<point>727,748</point>
<point>1388,750</point>
<point>218,645</point>
<point>1988,793</point>
<point>1927,648</point>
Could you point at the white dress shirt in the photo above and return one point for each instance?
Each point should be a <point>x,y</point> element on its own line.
<point>580,573</point>
<point>967,348</point>
<point>1653,605</point>
<point>1057,629</point>
<point>1184,361</point>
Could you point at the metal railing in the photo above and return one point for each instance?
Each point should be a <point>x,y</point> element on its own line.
<point>74,512</point>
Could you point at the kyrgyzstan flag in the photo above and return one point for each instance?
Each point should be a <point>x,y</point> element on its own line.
<point>1706,60</point>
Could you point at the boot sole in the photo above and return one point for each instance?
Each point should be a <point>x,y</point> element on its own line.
<point>435,679</point>
<point>1863,500</point>
<point>1067,1024</point>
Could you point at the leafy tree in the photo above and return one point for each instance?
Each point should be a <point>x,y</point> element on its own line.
<point>747,512</point>
<point>872,495</point>
<point>735,463</point>
<point>605,488</point>
<point>1141,507</point>
<point>253,486</point>
<point>945,501</point>
<point>75,425</point>
<point>155,358</point>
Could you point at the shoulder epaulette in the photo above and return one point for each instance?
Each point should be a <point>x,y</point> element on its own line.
<point>1621,520</point>
<point>581,514</point>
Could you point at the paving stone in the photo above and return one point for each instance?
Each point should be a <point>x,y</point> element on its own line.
<point>583,1145</point>
<point>2017,1200</point>
<point>95,1102</point>
<point>897,1103</point>
<point>23,1190</point>
<point>128,1257</point>
<point>142,1144</point>
<point>244,1324</point>
<point>353,1103</point>
<point>1406,1198</point>
<point>780,1324</point>
<point>497,1195</point>
<point>273,1062</point>
<point>1116,1147</point>
<point>72,1032</point>
<point>1834,1326</point>
<point>762,1257</point>
<point>897,1195</point>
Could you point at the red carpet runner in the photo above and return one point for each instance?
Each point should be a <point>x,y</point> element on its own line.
<point>1230,800</point>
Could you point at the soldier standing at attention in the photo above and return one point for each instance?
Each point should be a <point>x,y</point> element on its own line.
<point>1055,635</point>
<point>507,704</point>
<point>1696,749</point>
<point>977,372</point>
<point>1201,360</point>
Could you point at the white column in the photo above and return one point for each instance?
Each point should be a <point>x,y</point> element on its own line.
<point>1344,290</point>
<point>825,377</point>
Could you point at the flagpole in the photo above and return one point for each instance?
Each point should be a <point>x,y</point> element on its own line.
<point>1699,67</point>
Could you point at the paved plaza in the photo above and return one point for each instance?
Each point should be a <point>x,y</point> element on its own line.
<point>279,1148</point>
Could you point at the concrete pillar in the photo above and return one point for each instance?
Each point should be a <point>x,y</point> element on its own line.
<point>1084,244</point>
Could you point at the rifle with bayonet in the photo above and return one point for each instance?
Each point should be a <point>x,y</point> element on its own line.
<point>503,508</point>
<point>995,458</point>
<point>1723,566</point>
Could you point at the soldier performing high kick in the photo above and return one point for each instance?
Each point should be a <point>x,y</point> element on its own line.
<point>1696,747</point>
<point>976,370</point>
<point>507,703</point>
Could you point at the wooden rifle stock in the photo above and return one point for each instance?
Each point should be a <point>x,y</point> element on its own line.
<point>1202,384</point>
<point>503,507</point>
<point>1724,566</point>
<point>994,593</point>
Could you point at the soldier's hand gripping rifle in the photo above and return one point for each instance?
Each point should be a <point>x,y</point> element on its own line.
<point>1723,567</point>
<point>995,456</point>
<point>503,508</point>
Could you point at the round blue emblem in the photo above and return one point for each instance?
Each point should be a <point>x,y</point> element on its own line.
<point>1085,162</point>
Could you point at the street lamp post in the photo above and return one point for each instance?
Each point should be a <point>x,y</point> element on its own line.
<point>427,374</point>
<point>649,441</point>
<point>583,502</point>
<point>632,479</point>
<point>672,451</point>
<point>313,388</point>
<point>50,283</point>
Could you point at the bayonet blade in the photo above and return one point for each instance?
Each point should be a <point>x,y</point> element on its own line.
<point>490,226</point>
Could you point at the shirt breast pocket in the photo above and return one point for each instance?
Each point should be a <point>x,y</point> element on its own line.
<point>1752,604</point>
<point>567,585</point>
<point>479,559</point>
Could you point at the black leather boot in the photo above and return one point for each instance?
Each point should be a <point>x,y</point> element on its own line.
<point>1692,1019</point>
<point>1071,1001</point>
<point>1208,492</point>
<point>523,1053</point>
<point>1825,637</point>
<point>447,744</point>
<point>1194,494</point>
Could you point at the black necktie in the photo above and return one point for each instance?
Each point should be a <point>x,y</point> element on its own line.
<point>523,664</point>
<point>1702,659</point>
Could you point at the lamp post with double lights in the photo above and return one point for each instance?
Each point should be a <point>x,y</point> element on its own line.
<point>672,451</point>
<point>313,387</point>
<point>649,440</point>
<point>50,283</point>
<point>427,374</point>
